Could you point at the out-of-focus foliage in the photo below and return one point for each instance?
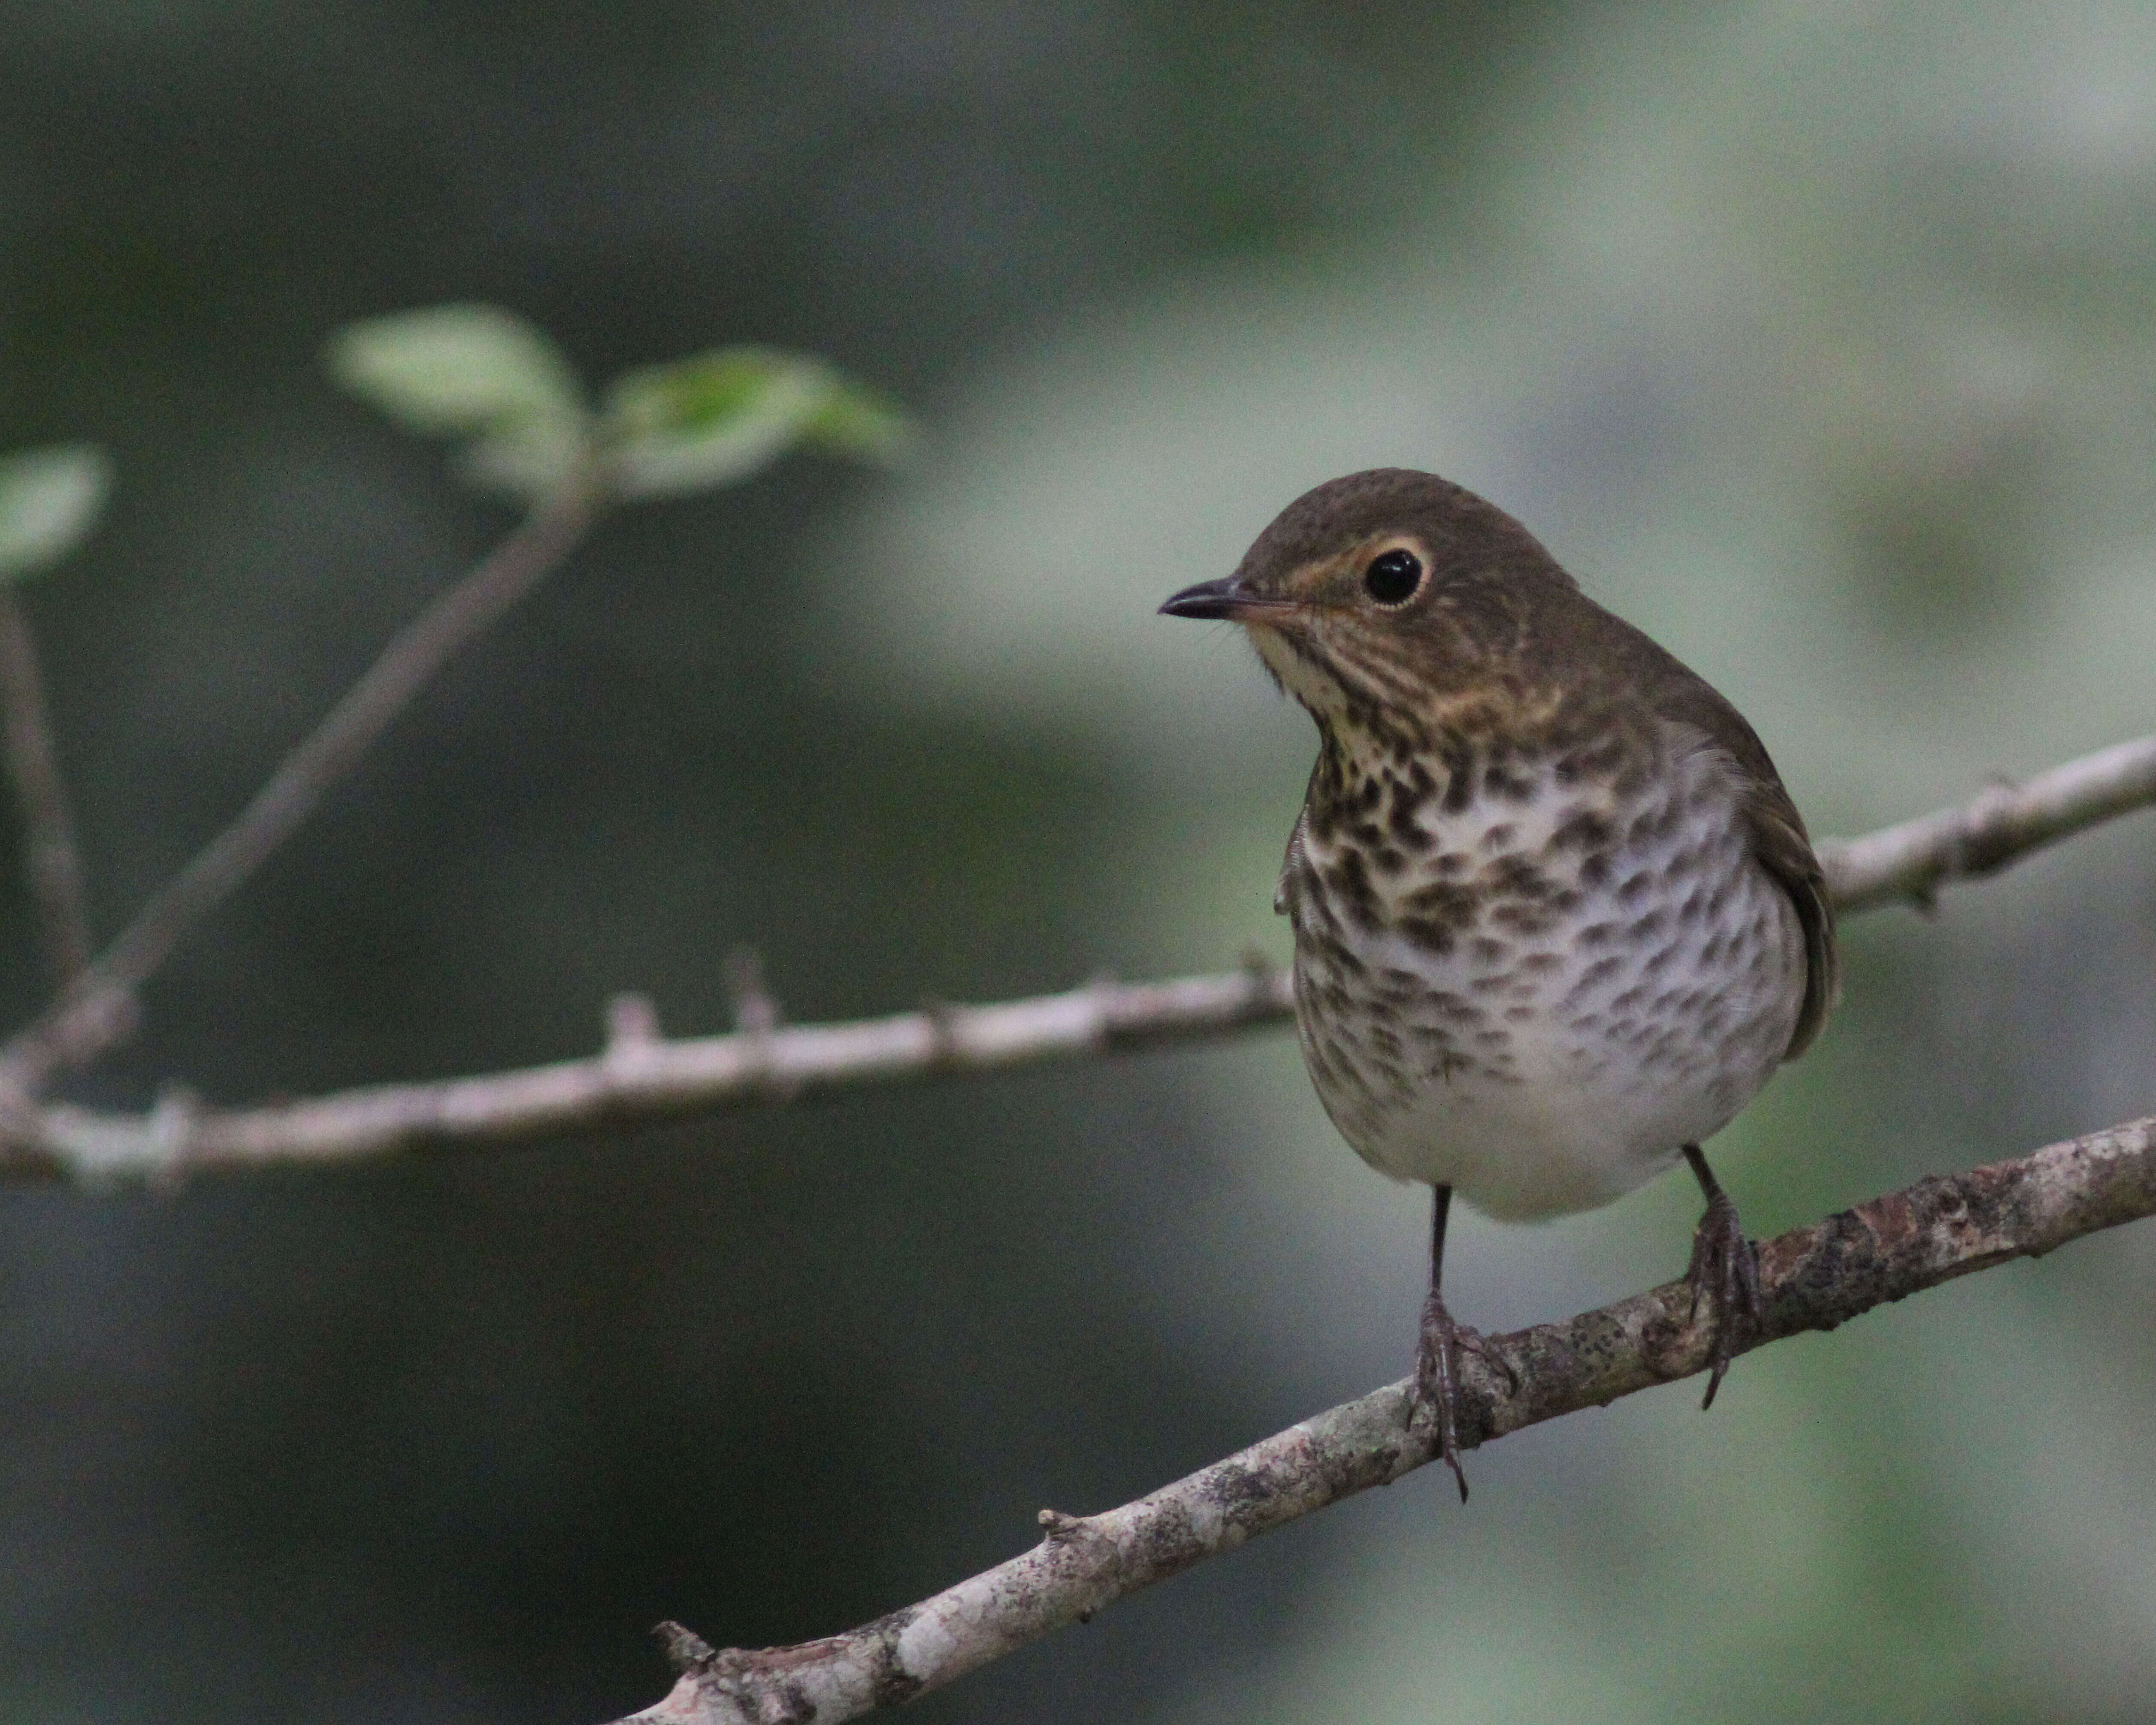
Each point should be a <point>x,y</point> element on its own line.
<point>716,418</point>
<point>49,499</point>
<point>486,375</point>
<point>1812,340</point>
<point>477,373</point>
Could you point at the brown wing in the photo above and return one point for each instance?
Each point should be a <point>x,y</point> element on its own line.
<point>1779,839</point>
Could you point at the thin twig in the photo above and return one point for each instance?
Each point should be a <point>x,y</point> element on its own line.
<point>50,858</point>
<point>95,1013</point>
<point>1812,1279</point>
<point>652,1077</point>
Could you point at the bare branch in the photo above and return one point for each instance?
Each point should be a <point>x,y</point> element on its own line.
<point>1998,826</point>
<point>1813,1278</point>
<point>100,1008</point>
<point>51,859</point>
<point>643,1076</point>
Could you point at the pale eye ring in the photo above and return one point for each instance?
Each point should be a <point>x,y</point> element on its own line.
<point>1392,577</point>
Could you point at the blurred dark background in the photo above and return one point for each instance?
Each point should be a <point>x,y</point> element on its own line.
<point>1816,342</point>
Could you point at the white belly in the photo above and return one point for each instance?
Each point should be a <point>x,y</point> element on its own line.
<point>1588,1011</point>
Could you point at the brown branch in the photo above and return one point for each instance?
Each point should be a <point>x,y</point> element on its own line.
<point>51,859</point>
<point>99,1008</point>
<point>647,1077</point>
<point>1813,1279</point>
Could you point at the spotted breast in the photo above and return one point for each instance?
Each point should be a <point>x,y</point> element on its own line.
<point>1532,975</point>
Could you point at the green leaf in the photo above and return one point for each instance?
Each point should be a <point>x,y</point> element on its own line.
<point>475,371</point>
<point>49,500</point>
<point>716,418</point>
<point>862,423</point>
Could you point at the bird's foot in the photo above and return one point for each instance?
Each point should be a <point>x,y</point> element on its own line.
<point>1435,1384</point>
<point>1725,1269</point>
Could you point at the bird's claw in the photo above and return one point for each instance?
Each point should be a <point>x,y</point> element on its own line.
<point>1725,1268</point>
<point>1435,1383</point>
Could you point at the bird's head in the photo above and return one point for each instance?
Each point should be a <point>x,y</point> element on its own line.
<point>1386,595</point>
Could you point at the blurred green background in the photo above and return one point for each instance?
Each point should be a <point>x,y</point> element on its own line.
<point>1820,340</point>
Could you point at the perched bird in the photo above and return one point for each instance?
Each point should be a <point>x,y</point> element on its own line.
<point>1556,919</point>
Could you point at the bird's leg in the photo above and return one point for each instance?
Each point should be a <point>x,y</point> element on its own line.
<point>1436,1381</point>
<point>1725,1267</point>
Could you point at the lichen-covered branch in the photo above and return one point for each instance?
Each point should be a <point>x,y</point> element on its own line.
<point>643,1076</point>
<point>1813,1279</point>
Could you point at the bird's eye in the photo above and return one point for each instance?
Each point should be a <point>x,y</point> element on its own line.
<point>1393,577</point>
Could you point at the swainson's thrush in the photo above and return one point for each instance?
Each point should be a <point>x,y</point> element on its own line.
<point>1556,920</point>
